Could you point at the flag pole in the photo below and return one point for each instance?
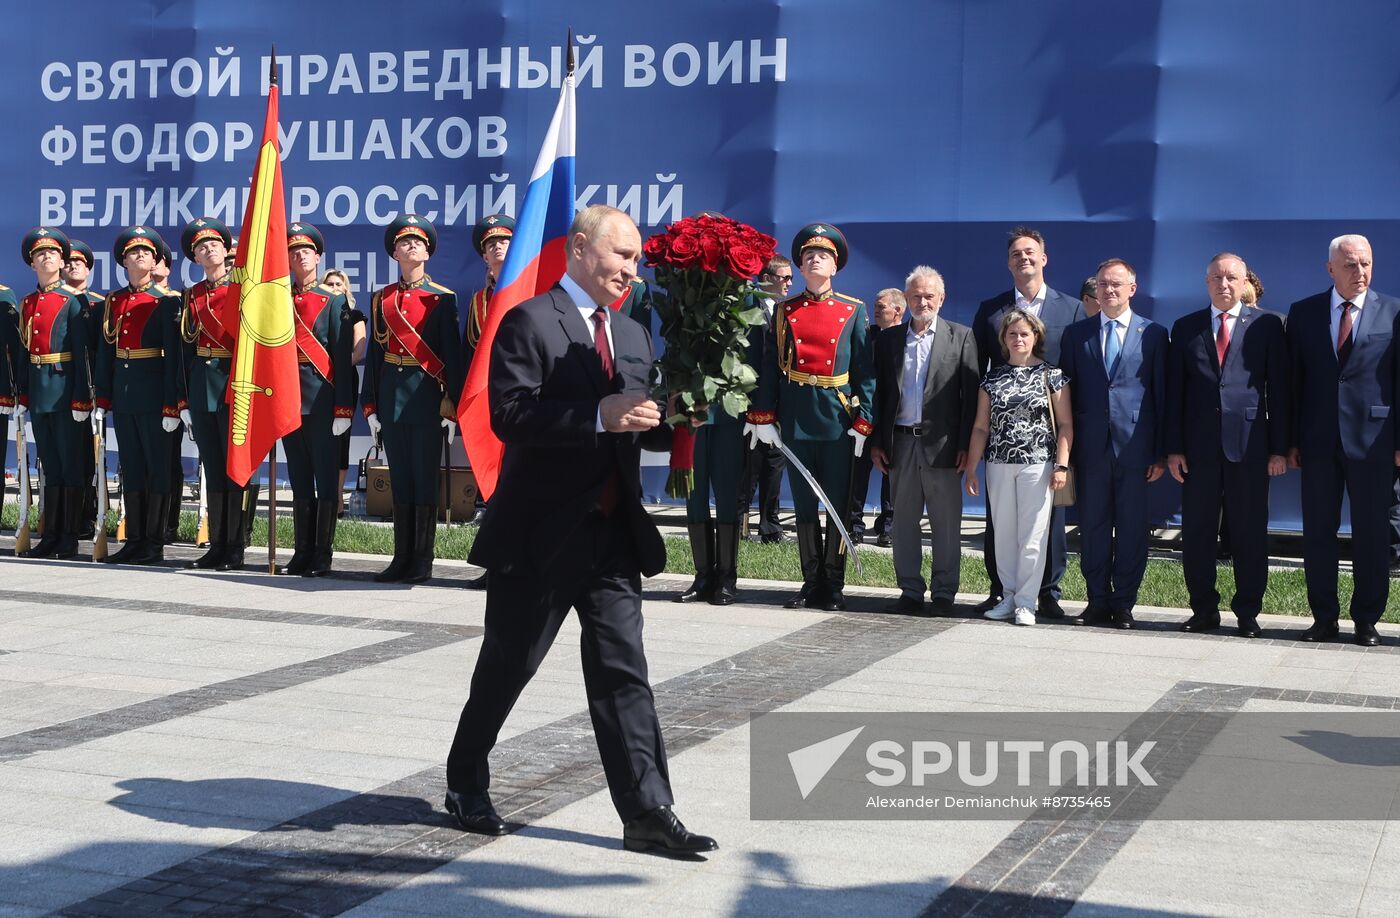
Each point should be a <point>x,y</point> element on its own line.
<point>272,509</point>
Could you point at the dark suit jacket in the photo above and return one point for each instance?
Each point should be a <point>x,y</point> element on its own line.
<point>1240,410</point>
<point>545,385</point>
<point>1059,311</point>
<point>950,391</point>
<point>1122,416</point>
<point>1351,406</point>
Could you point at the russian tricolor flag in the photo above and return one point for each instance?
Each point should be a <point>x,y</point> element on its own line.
<point>534,263</point>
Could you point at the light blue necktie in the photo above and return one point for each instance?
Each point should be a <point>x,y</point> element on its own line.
<point>1111,346</point>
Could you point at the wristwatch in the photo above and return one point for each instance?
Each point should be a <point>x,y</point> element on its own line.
<point>1061,468</point>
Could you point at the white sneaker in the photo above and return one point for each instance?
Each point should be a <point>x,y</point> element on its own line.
<point>1025,617</point>
<point>1001,611</point>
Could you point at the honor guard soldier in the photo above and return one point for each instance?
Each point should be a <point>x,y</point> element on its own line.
<point>818,385</point>
<point>138,380</point>
<point>325,339</point>
<point>56,390</point>
<point>165,265</point>
<point>209,332</point>
<point>13,360</point>
<point>413,375</point>
<point>77,271</point>
<point>491,239</point>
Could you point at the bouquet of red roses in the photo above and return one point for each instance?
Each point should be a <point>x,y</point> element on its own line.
<point>706,265</point>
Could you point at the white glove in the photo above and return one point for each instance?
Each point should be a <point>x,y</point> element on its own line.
<point>19,411</point>
<point>762,433</point>
<point>339,426</point>
<point>451,429</point>
<point>186,419</point>
<point>81,415</point>
<point>169,425</point>
<point>859,438</point>
<point>374,426</point>
<point>99,415</point>
<point>6,410</point>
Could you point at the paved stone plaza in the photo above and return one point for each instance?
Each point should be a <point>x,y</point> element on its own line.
<point>180,742</point>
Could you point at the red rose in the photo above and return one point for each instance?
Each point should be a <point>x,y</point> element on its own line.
<point>711,252</point>
<point>685,252</point>
<point>655,248</point>
<point>743,262</point>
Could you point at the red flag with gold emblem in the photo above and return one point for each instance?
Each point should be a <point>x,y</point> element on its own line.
<point>263,387</point>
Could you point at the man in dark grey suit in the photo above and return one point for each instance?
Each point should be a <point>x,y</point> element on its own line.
<point>1026,259</point>
<point>925,402</point>
<point>569,399</point>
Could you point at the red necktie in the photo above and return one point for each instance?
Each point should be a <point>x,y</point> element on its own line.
<point>600,339</point>
<point>1222,339</point>
<point>1344,335</point>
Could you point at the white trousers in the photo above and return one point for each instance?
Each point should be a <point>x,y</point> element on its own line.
<point>1021,501</point>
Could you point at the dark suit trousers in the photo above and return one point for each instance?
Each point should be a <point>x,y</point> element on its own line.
<point>860,490</point>
<point>763,466</point>
<point>523,616</point>
<point>1241,490</point>
<point>1055,554</point>
<point>1370,488</point>
<point>1113,533</point>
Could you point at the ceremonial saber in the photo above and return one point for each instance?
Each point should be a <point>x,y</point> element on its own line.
<point>831,513</point>
<point>99,524</point>
<point>22,454</point>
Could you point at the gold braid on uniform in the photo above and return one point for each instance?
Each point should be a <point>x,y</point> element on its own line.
<point>189,328</point>
<point>786,350</point>
<point>109,333</point>
<point>377,326</point>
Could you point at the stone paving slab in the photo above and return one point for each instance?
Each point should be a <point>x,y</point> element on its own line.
<point>175,742</point>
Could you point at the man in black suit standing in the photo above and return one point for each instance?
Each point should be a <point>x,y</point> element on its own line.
<point>1026,259</point>
<point>1341,346</point>
<point>569,399</point>
<point>1227,434</point>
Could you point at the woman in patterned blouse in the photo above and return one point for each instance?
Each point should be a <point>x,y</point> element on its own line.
<point>1025,460</point>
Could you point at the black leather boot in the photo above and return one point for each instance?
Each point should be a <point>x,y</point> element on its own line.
<point>403,545</point>
<point>87,516</point>
<point>70,521</point>
<point>323,537</point>
<point>51,524</point>
<point>834,570</point>
<point>237,524</point>
<point>726,564</point>
<point>424,543</point>
<point>152,547</point>
<point>135,528</point>
<point>809,550</point>
<point>218,537</point>
<point>249,513</point>
<point>702,552</point>
<point>303,536</point>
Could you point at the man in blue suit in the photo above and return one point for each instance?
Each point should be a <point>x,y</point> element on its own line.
<point>1116,363</point>
<point>1026,260</point>
<point>1345,375</point>
<point>1227,434</point>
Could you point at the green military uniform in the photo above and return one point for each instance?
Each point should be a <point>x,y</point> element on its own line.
<point>209,337</point>
<point>57,384</point>
<point>413,376</point>
<point>92,305</point>
<point>817,384</point>
<point>139,381</point>
<point>12,360</point>
<point>177,466</point>
<point>325,337</point>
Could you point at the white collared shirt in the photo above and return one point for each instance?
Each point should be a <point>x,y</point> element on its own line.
<point>1233,312</point>
<point>1033,305</point>
<point>918,346</point>
<point>586,307</point>
<point>1335,318</point>
<point>1120,327</point>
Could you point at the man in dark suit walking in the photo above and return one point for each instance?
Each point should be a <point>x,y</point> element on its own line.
<point>1026,259</point>
<point>1227,434</point>
<point>1117,364</point>
<point>925,402</point>
<point>1341,347</point>
<point>569,399</point>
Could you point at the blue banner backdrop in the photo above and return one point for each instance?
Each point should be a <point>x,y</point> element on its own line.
<point>1158,132</point>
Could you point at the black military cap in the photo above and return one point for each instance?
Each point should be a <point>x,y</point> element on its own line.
<point>201,229</point>
<point>305,234</point>
<point>135,237</point>
<point>495,226</point>
<point>44,237</point>
<point>409,225</point>
<point>80,249</point>
<point>821,236</point>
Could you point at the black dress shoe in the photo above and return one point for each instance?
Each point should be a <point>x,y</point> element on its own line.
<point>1094,615</point>
<point>1366,636</point>
<point>883,540</point>
<point>1123,620</point>
<point>1198,623</point>
<point>988,604</point>
<point>1049,607</point>
<point>660,831</point>
<point>907,605</point>
<point>1395,567</point>
<point>1320,631</point>
<point>941,605</point>
<point>774,539</point>
<point>1249,626</point>
<point>474,813</point>
<point>835,600</point>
